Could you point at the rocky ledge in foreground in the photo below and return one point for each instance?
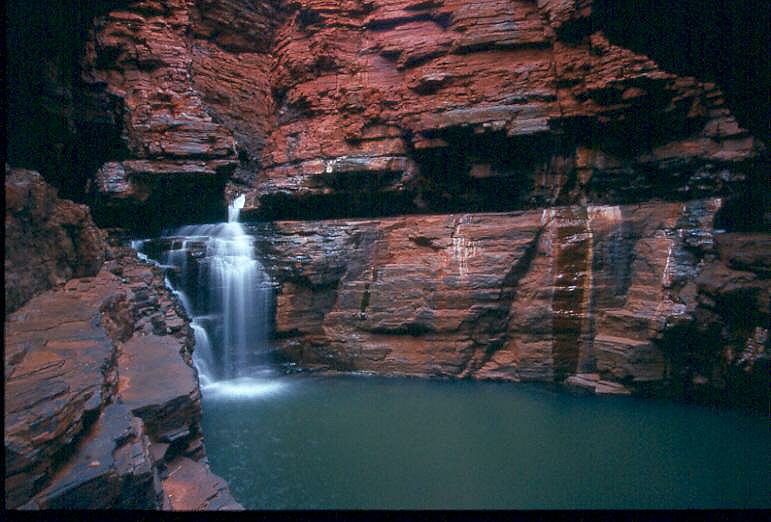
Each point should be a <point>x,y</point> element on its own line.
<point>102,406</point>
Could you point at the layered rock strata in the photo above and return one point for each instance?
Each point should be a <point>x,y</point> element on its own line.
<point>600,297</point>
<point>102,404</point>
<point>101,401</point>
<point>608,273</point>
<point>367,107</point>
<point>723,349</point>
<point>486,105</point>
<point>194,90</point>
<point>372,107</point>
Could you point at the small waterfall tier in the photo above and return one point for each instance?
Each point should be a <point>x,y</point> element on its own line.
<point>215,274</point>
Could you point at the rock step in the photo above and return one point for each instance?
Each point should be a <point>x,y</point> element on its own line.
<point>622,323</point>
<point>592,382</point>
<point>191,486</point>
<point>57,361</point>
<point>112,468</point>
<point>157,385</point>
<point>110,398</point>
<point>612,342</point>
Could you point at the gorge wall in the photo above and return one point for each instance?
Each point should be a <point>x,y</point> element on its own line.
<point>636,183</point>
<point>488,189</point>
<point>366,108</point>
<point>491,189</point>
<point>648,298</point>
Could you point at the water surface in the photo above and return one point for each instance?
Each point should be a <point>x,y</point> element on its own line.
<point>309,442</point>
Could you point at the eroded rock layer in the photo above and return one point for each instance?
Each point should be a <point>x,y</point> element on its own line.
<point>630,253</point>
<point>102,404</point>
<point>376,107</point>
<point>484,105</point>
<point>47,240</point>
<point>372,107</point>
<point>101,401</point>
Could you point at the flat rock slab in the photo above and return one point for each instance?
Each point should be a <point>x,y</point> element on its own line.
<point>57,363</point>
<point>112,468</point>
<point>158,386</point>
<point>191,486</point>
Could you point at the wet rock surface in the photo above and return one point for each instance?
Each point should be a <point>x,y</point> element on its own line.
<point>161,392</point>
<point>100,394</point>
<point>722,353</point>
<point>593,296</point>
<point>190,486</point>
<point>59,370</point>
<point>112,468</point>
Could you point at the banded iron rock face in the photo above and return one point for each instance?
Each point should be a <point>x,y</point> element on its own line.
<point>646,299</point>
<point>521,200</point>
<point>466,103</point>
<point>373,107</point>
<point>582,292</point>
<point>47,240</point>
<point>614,299</point>
<point>102,403</point>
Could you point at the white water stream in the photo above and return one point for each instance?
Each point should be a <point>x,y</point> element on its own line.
<point>227,293</point>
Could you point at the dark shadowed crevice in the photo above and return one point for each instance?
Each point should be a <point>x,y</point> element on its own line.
<point>358,204</point>
<point>56,124</point>
<point>750,211</point>
<point>723,41</point>
<point>173,201</point>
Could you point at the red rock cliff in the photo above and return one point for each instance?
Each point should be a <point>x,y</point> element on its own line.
<point>608,266</point>
<point>627,175</point>
<point>377,107</point>
<point>371,107</point>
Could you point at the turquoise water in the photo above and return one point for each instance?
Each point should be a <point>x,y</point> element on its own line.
<point>355,442</point>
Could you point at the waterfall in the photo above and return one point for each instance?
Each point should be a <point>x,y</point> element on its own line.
<point>234,209</point>
<point>213,271</point>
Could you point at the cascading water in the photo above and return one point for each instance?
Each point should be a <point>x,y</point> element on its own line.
<point>215,275</point>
